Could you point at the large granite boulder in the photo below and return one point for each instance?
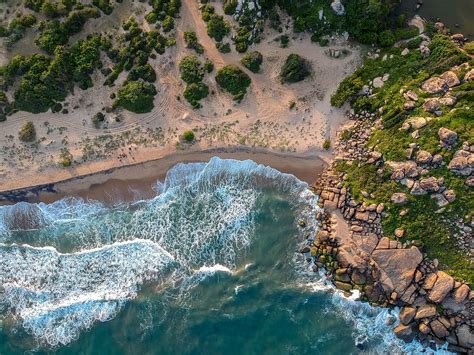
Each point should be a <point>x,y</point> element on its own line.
<point>443,285</point>
<point>429,184</point>
<point>423,157</point>
<point>435,85</point>
<point>397,267</point>
<point>407,314</point>
<point>462,164</point>
<point>450,78</point>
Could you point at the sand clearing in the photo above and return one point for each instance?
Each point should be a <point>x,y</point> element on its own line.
<point>263,120</point>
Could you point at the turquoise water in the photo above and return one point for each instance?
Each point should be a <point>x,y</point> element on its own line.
<point>209,266</point>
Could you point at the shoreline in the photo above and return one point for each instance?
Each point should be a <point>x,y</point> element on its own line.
<point>121,183</point>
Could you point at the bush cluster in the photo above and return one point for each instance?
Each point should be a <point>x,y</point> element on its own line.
<point>27,132</point>
<point>294,69</point>
<point>217,27</point>
<point>192,42</point>
<point>252,61</point>
<point>232,79</point>
<point>192,72</point>
<point>136,96</point>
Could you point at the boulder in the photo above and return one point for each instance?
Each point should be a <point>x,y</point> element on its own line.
<point>449,195</point>
<point>414,123</point>
<point>435,85</point>
<point>338,8</point>
<point>377,82</point>
<point>461,293</point>
<point>417,190</point>
<point>469,75</point>
<point>358,278</point>
<point>399,198</point>
<point>443,285</point>
<point>437,159</point>
<point>343,285</point>
<point>404,332</point>
<point>461,165</point>
<point>431,105</point>
<point>425,311</point>
<point>423,328</point>
<point>411,95</point>
<point>397,267</point>
<point>465,336</point>
<point>450,78</point>
<point>446,136</point>
<point>409,105</point>
<point>430,281</point>
<point>407,314</point>
<point>447,101</point>
<point>470,181</point>
<point>429,184</point>
<point>441,201</point>
<point>439,329</point>
<point>423,157</point>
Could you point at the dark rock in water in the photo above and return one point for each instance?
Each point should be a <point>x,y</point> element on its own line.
<point>305,249</point>
<point>361,342</point>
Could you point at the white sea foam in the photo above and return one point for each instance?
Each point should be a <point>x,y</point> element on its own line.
<point>86,260</point>
<point>214,268</point>
<point>56,295</point>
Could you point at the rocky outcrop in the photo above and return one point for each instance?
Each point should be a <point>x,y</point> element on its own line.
<point>443,285</point>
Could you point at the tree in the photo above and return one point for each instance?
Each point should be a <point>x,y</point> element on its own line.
<point>295,69</point>
<point>217,27</point>
<point>232,79</point>
<point>191,69</point>
<point>195,92</point>
<point>136,96</point>
<point>252,61</point>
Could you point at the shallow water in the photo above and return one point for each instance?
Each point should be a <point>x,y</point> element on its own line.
<point>208,266</point>
<point>458,15</point>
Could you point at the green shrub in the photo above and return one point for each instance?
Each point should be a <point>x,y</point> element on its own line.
<point>27,132</point>
<point>414,43</point>
<point>136,96</point>
<point>188,136</point>
<point>192,42</point>
<point>252,61</point>
<point>295,69</point>
<point>145,72</point>
<point>195,92</point>
<point>469,48</point>
<point>230,6</point>
<point>284,40</point>
<point>208,66</point>
<point>232,79</point>
<point>191,69</point>
<point>326,144</point>
<point>387,38</point>
<point>223,47</point>
<point>104,5</point>
<point>217,27</point>
<point>168,24</point>
<point>65,158</point>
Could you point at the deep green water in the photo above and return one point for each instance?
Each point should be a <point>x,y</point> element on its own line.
<point>209,266</point>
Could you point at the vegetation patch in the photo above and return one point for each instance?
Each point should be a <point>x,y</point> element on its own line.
<point>232,79</point>
<point>27,132</point>
<point>295,69</point>
<point>136,96</point>
<point>252,61</point>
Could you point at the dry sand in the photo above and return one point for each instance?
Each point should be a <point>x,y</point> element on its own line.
<point>262,121</point>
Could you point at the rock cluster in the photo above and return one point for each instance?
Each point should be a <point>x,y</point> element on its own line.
<point>387,272</point>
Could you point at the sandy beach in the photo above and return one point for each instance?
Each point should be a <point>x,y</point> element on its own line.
<point>263,121</point>
<point>137,181</point>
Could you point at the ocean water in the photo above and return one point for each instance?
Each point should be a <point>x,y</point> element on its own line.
<point>208,266</point>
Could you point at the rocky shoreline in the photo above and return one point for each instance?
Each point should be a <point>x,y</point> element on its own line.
<point>351,246</point>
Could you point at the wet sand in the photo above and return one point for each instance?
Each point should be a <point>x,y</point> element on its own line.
<point>134,182</point>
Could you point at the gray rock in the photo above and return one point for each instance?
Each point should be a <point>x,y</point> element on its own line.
<point>417,190</point>
<point>431,105</point>
<point>435,85</point>
<point>441,201</point>
<point>443,285</point>
<point>423,157</point>
<point>447,136</point>
<point>465,336</point>
<point>429,184</point>
<point>450,78</point>
<point>439,329</point>
<point>399,198</point>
